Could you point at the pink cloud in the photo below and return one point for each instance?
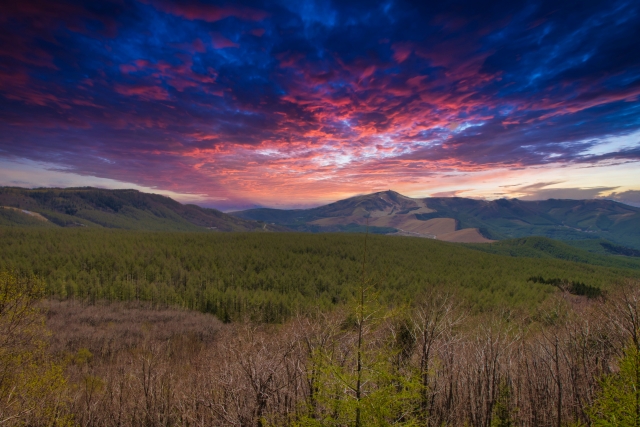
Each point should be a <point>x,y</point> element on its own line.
<point>180,77</point>
<point>198,46</point>
<point>206,12</point>
<point>128,68</point>
<point>454,193</point>
<point>368,72</point>
<point>401,51</point>
<point>220,42</point>
<point>155,93</point>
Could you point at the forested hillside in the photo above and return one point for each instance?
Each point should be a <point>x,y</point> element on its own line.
<point>271,276</point>
<point>596,252</point>
<point>126,209</point>
<point>557,219</point>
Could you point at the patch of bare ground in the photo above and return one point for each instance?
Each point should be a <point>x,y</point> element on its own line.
<point>404,223</point>
<point>435,226</point>
<point>338,220</point>
<point>408,223</point>
<point>466,235</point>
<point>31,214</point>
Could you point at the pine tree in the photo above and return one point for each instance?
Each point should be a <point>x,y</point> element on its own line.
<point>618,403</point>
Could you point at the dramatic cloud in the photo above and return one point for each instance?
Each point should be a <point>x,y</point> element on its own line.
<point>628,197</point>
<point>543,191</point>
<point>260,101</point>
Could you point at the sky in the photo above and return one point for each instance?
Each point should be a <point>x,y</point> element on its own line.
<point>300,103</point>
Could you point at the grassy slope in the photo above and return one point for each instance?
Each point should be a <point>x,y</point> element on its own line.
<point>269,276</point>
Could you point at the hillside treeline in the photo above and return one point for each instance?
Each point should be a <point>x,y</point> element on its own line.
<point>270,277</point>
<point>574,361</point>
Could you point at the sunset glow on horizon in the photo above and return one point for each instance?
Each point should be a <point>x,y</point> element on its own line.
<point>295,104</point>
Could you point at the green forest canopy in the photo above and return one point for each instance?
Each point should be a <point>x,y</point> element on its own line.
<point>270,276</point>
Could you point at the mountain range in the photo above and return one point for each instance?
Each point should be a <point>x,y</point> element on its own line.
<point>457,219</point>
<point>601,226</point>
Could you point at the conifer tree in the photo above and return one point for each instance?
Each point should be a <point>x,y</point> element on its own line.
<point>618,403</point>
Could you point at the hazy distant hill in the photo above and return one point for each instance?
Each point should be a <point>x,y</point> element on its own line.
<point>466,220</point>
<point>385,212</point>
<point>558,219</point>
<point>126,209</point>
<point>601,226</point>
